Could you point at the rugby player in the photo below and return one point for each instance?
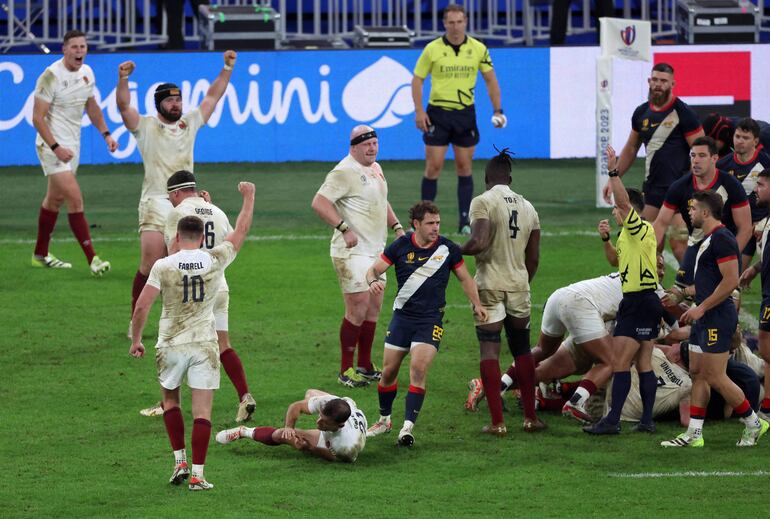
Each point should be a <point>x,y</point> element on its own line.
<point>423,261</point>
<point>61,92</point>
<point>340,433</point>
<point>190,281</point>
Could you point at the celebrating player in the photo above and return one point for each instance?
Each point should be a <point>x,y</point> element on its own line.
<point>423,261</point>
<point>453,62</point>
<point>340,436</point>
<point>61,92</point>
<point>715,319</point>
<point>166,143</point>
<point>189,202</point>
<point>668,128</point>
<point>354,200</point>
<point>190,281</point>
<point>640,311</point>
<point>505,238</point>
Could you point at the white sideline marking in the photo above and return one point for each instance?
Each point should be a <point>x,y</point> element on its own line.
<point>267,237</point>
<point>690,474</point>
<point>751,322</point>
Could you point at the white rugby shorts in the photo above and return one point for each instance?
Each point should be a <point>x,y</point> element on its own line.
<point>351,272</point>
<point>198,362</point>
<point>153,214</point>
<point>52,165</point>
<point>566,311</point>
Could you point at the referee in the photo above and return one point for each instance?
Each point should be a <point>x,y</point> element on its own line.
<point>640,311</point>
<point>453,61</point>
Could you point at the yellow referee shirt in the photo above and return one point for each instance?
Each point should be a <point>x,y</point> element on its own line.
<point>637,254</point>
<point>453,70</point>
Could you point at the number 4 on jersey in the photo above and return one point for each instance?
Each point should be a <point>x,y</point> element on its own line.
<point>513,224</point>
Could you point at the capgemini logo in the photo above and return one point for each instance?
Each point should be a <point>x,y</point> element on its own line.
<point>380,95</point>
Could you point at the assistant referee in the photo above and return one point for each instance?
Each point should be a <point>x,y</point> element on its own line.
<point>453,61</point>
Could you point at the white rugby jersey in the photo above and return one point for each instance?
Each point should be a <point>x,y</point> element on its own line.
<point>360,195</point>
<point>165,149</point>
<point>512,219</point>
<point>348,442</point>
<point>67,92</point>
<point>189,281</point>
<point>604,292</point>
<point>216,226</point>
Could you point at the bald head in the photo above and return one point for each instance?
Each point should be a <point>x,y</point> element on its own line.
<point>364,144</point>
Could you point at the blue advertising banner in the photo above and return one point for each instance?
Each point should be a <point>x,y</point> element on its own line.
<point>284,106</point>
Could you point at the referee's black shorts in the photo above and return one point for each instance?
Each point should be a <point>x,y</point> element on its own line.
<point>457,127</point>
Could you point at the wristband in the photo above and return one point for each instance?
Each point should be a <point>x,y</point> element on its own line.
<point>228,67</point>
<point>372,281</point>
<point>54,146</point>
<point>397,227</point>
<point>606,239</point>
<point>613,173</point>
<point>342,226</point>
<point>106,133</point>
<point>499,111</point>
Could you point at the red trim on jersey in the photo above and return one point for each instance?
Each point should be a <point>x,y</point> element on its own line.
<point>432,244</point>
<point>715,229</point>
<point>459,264</point>
<point>384,258</point>
<point>742,204</point>
<point>664,107</point>
<point>714,181</point>
<point>696,130</point>
<point>727,258</point>
<point>752,159</point>
<point>672,207</point>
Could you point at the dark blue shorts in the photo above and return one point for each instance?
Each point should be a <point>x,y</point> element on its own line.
<point>404,331</point>
<point>457,127</point>
<point>639,316</point>
<point>716,328</point>
<point>764,315</point>
<point>654,195</point>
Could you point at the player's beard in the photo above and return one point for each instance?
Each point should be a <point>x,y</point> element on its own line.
<point>659,98</point>
<point>172,117</point>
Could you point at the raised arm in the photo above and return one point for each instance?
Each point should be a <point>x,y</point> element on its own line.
<point>123,97</point>
<point>609,250</point>
<point>96,116</point>
<point>622,201</point>
<point>218,87</point>
<point>243,223</point>
<point>626,159</point>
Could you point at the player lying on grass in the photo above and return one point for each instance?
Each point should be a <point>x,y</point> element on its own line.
<point>340,436</point>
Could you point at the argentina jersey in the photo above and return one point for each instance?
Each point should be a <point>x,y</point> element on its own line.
<point>664,132</point>
<point>422,274</point>
<point>679,198</point>
<point>746,173</point>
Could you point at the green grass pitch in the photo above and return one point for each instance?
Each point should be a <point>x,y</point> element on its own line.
<point>72,443</point>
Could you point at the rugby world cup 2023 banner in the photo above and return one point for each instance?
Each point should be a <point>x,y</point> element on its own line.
<point>284,106</point>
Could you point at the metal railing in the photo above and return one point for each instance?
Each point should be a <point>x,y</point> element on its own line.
<point>109,24</point>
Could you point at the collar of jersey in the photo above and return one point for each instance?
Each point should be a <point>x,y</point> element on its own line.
<point>752,159</point>
<point>695,182</point>
<point>664,107</point>
<point>430,245</point>
<point>715,229</point>
<point>450,44</point>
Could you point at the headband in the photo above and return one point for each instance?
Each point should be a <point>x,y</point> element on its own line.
<point>165,90</point>
<point>181,185</point>
<point>363,137</point>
